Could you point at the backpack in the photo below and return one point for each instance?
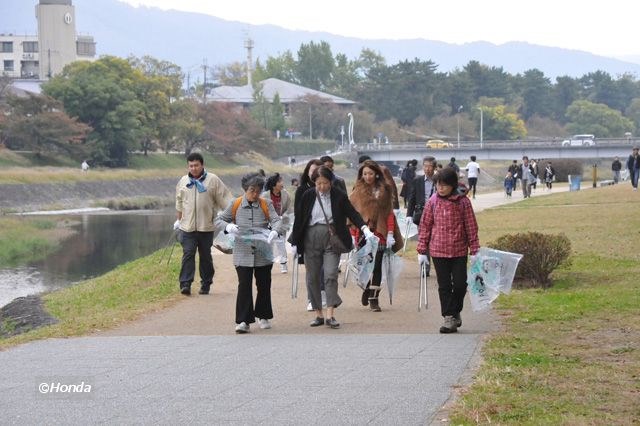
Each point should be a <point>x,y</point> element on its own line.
<point>238,201</point>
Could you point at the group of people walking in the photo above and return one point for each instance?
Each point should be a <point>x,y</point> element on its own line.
<point>328,221</point>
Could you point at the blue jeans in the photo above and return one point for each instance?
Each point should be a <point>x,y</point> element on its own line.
<point>634,177</point>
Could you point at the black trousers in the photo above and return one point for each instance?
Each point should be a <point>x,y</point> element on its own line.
<point>376,278</point>
<point>245,311</point>
<point>472,185</point>
<point>452,283</point>
<point>200,242</point>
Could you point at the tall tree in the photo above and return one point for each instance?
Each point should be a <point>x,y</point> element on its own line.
<point>315,65</point>
<point>536,94</point>
<point>597,119</point>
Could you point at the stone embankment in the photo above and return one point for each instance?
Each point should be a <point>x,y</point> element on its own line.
<point>62,195</point>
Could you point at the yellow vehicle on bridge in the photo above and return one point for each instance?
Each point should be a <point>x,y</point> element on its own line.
<point>438,144</point>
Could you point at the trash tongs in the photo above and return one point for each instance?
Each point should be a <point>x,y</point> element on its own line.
<point>423,298</point>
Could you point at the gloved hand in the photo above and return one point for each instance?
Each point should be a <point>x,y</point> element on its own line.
<point>472,258</point>
<point>272,235</point>
<point>423,259</point>
<point>231,228</point>
<point>367,232</point>
<point>396,211</point>
<point>390,240</point>
<point>294,251</point>
<point>176,224</point>
<point>409,220</point>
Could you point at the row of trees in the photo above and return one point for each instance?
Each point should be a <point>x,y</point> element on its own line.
<point>119,106</point>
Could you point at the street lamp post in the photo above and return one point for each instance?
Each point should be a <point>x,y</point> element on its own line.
<point>458,117</point>
<point>310,125</point>
<point>481,123</point>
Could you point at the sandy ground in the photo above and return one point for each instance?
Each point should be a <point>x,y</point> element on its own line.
<point>214,314</point>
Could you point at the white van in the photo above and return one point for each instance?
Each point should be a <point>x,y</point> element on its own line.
<point>580,140</point>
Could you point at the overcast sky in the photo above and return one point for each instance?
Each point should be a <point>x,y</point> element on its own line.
<point>607,28</point>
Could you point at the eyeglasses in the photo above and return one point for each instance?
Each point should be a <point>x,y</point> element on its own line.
<point>252,190</point>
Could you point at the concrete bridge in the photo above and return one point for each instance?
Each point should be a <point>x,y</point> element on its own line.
<point>500,150</point>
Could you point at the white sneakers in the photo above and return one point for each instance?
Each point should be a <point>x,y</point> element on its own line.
<point>283,268</point>
<point>242,328</point>
<point>264,324</point>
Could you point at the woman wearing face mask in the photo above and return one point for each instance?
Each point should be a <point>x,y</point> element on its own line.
<point>372,198</point>
<point>310,236</point>
<point>448,231</point>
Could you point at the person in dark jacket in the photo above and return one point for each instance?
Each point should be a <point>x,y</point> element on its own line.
<point>420,190</point>
<point>310,237</point>
<point>616,166</point>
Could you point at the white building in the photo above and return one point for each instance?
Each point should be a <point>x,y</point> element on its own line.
<point>44,55</point>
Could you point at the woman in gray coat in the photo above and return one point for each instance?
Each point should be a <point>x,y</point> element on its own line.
<point>249,220</point>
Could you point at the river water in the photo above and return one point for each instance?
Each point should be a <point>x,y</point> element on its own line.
<point>102,242</point>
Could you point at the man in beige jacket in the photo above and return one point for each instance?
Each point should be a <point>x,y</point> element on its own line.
<point>199,197</point>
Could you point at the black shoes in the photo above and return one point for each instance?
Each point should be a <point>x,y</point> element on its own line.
<point>204,290</point>
<point>331,322</point>
<point>375,307</point>
<point>317,322</point>
<point>186,291</point>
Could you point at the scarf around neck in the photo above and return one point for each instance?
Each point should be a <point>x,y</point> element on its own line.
<point>197,182</point>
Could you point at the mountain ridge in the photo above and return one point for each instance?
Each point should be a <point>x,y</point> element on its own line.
<point>188,39</point>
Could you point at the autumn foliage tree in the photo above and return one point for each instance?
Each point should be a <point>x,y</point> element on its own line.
<point>39,123</point>
<point>230,130</point>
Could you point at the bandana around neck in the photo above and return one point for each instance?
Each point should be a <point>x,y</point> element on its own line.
<point>197,182</point>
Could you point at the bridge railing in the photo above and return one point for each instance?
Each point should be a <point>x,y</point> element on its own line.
<point>494,144</point>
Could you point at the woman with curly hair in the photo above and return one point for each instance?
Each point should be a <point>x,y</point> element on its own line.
<point>372,197</point>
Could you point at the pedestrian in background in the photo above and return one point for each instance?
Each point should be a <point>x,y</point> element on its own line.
<point>508,185</point>
<point>407,176</point>
<point>549,175</point>
<point>199,197</point>
<point>338,182</point>
<point>526,177</point>
<point>473,172</point>
<point>514,169</point>
<point>616,166</point>
<point>252,256</point>
<point>421,189</point>
<point>448,232</point>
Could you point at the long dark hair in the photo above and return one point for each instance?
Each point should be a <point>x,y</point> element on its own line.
<point>305,180</point>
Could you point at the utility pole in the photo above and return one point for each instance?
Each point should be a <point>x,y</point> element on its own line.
<point>248,44</point>
<point>204,86</point>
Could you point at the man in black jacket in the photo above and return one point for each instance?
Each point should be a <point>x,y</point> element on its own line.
<point>420,190</point>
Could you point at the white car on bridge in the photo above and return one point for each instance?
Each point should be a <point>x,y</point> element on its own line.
<point>580,140</point>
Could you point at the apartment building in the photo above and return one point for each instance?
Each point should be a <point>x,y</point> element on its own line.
<point>44,55</point>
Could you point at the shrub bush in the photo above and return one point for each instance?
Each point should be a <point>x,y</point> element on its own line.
<point>542,253</point>
<point>563,167</point>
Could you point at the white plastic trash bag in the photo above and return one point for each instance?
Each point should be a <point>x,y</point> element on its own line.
<point>362,262</point>
<point>490,274</point>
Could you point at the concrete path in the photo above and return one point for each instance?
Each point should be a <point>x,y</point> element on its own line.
<point>186,365</point>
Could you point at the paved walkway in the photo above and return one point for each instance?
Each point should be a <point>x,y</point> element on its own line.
<point>186,365</point>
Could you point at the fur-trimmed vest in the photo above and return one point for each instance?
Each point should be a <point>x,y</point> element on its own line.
<point>374,205</point>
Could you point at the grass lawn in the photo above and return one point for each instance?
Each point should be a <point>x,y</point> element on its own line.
<point>571,354</point>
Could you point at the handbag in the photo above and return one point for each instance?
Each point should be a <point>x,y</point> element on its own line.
<point>335,243</point>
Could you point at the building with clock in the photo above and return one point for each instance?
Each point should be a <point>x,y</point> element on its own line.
<point>44,55</point>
